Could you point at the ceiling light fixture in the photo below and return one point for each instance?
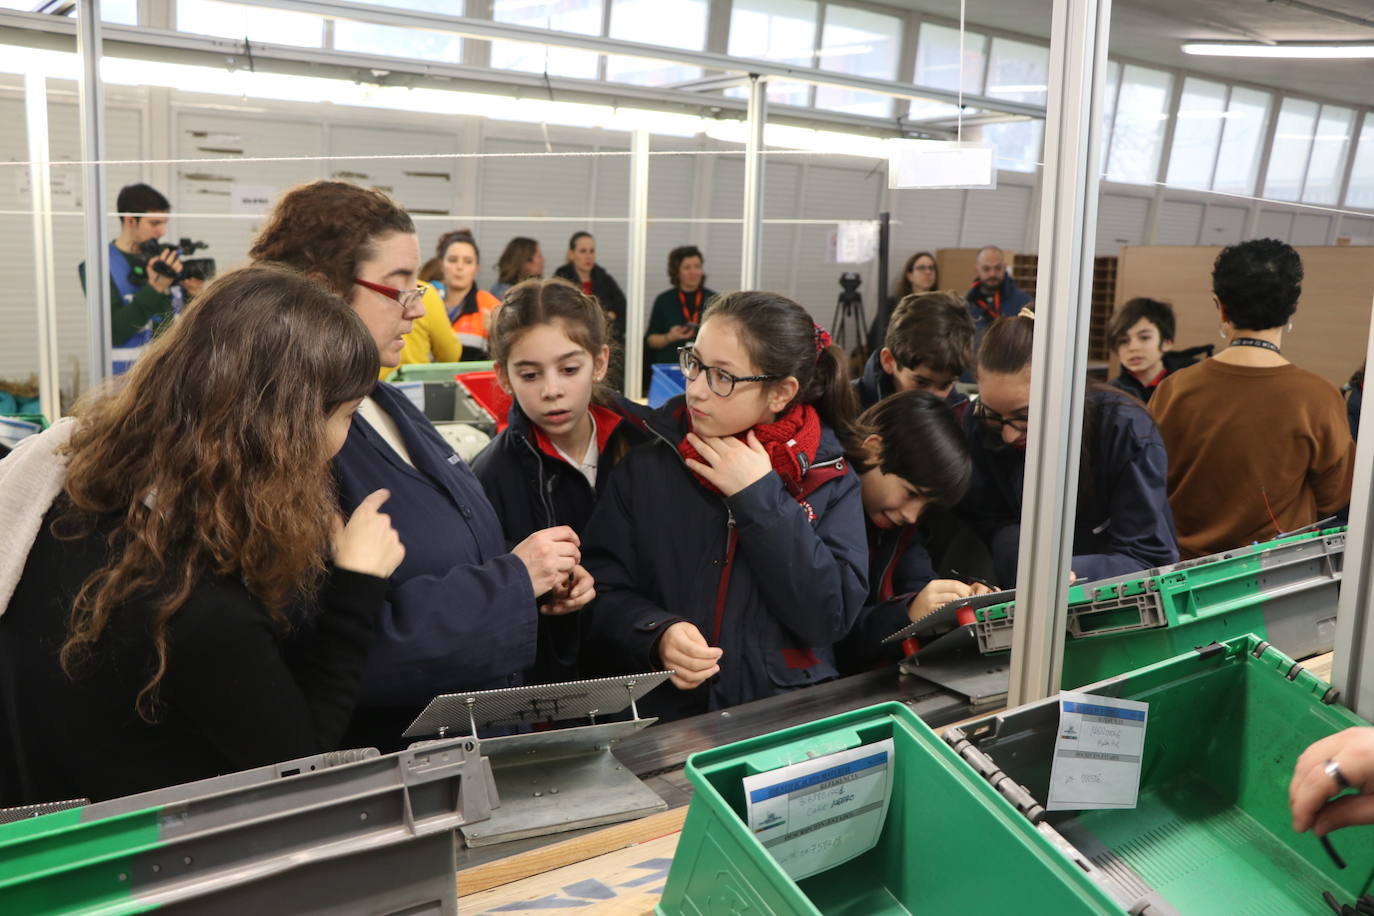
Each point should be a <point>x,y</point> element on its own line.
<point>1347,50</point>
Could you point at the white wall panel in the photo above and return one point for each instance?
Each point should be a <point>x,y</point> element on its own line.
<point>997,217</point>
<point>1180,223</point>
<point>1276,224</point>
<point>1359,230</point>
<point>1120,221</point>
<point>1224,225</point>
<point>1311,229</point>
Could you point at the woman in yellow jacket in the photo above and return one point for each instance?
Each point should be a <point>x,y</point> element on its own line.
<point>431,339</point>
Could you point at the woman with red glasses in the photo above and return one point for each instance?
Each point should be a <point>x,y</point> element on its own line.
<point>462,610</point>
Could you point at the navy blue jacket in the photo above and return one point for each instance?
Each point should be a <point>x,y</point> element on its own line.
<point>875,384</point>
<point>1008,299</point>
<point>460,612</point>
<point>1123,521</point>
<point>901,563</point>
<point>1174,360</point>
<point>659,547</point>
<point>532,487</point>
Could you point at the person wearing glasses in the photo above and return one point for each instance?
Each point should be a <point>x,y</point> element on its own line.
<point>461,612</point>
<point>731,549</point>
<point>920,274</point>
<point>1123,520</point>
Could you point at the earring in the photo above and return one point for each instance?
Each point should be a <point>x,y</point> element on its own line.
<point>1290,327</point>
<point>1221,331</point>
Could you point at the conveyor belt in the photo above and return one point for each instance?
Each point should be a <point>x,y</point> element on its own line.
<point>657,754</point>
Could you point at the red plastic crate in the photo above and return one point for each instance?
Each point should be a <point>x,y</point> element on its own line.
<point>485,390</point>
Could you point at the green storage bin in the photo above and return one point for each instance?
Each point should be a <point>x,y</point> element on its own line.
<point>1212,831</point>
<point>436,372</point>
<point>946,833</point>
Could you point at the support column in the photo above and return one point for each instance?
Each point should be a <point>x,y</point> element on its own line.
<point>93,182</point>
<point>1078,59</point>
<point>636,317</point>
<point>45,281</point>
<point>753,183</point>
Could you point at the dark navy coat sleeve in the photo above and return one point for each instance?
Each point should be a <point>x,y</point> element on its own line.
<point>460,611</point>
<point>625,622</point>
<point>1131,474</point>
<point>817,573</point>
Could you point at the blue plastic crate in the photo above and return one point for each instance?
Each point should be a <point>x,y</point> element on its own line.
<point>665,383</point>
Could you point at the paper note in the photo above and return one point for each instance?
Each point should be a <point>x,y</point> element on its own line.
<point>814,815</point>
<point>1097,753</point>
<point>415,391</point>
<point>941,164</point>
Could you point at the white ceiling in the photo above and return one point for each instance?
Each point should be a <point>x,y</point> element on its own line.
<point>1153,30</point>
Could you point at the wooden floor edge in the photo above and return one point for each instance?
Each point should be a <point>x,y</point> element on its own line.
<point>537,861</point>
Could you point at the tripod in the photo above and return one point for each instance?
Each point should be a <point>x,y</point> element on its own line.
<point>849,306</point>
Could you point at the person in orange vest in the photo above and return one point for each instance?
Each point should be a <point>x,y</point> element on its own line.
<point>469,308</point>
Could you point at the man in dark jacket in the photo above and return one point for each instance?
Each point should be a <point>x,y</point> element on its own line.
<point>994,293</point>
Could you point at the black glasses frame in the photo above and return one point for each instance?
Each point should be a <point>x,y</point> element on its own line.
<point>691,367</point>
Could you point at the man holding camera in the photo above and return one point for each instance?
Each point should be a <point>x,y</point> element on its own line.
<point>143,291</point>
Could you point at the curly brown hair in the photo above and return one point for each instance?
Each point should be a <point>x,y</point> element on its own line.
<point>211,458</point>
<point>326,229</point>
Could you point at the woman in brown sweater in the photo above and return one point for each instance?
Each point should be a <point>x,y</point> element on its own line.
<point>1257,447</point>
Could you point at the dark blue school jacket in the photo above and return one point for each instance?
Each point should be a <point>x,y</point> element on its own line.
<point>532,487</point>
<point>658,544</point>
<point>459,612</point>
<point>1123,521</point>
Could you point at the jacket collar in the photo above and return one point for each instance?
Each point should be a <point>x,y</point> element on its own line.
<point>608,420</point>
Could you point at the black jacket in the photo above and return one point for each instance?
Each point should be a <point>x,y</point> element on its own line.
<point>234,696</point>
<point>875,384</point>
<point>901,563</point>
<point>606,291</point>
<point>1123,520</point>
<point>1174,360</point>
<point>532,487</point>
<point>771,581</point>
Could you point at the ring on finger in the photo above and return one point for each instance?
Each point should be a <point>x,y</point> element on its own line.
<point>1333,769</point>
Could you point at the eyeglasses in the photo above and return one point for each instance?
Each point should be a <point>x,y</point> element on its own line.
<point>992,420</point>
<point>408,298</point>
<point>721,383</point>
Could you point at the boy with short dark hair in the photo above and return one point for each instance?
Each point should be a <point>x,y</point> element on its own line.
<point>929,344</point>
<point>1142,334</point>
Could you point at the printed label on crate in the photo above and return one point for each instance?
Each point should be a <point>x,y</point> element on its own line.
<point>817,814</point>
<point>1097,753</point>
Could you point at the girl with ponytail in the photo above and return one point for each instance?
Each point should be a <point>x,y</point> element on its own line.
<point>731,549</point>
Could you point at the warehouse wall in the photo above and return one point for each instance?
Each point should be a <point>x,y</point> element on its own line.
<point>545,198</point>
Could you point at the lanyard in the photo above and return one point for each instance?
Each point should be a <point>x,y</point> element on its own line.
<point>1255,342</point>
<point>694,316</point>
<point>996,311</point>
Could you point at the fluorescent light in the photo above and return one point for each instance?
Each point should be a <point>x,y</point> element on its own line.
<point>1306,51</point>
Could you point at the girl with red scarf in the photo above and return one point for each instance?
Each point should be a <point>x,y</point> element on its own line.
<point>731,549</point>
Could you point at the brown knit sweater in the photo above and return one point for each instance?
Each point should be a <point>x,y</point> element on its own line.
<point>1253,451</point>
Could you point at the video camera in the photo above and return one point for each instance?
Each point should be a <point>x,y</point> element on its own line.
<point>191,268</point>
<point>849,282</point>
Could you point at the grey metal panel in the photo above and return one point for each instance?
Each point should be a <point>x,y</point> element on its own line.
<point>1311,229</point>
<point>1276,224</point>
<point>1180,223</point>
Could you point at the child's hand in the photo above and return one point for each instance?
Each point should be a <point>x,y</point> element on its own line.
<point>683,649</point>
<point>730,465</point>
<point>576,595</point>
<point>936,594</point>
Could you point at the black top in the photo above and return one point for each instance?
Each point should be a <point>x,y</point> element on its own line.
<point>231,697</point>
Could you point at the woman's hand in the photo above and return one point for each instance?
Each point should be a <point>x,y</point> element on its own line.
<point>680,332</point>
<point>1312,787</point>
<point>368,544</point>
<point>730,465</point>
<point>573,595</point>
<point>685,651</point>
<point>549,556</point>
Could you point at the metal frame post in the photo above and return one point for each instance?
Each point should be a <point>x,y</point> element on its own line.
<point>45,282</point>
<point>1352,666</point>
<point>752,236</point>
<point>1078,60</point>
<point>93,181</point>
<point>636,318</point>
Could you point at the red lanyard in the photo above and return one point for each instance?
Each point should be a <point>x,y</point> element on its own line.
<point>691,317</point>
<point>996,311</point>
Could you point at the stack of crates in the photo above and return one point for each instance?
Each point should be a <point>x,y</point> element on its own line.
<point>967,830</point>
<point>349,832</point>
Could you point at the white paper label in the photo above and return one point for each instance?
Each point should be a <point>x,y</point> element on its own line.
<point>1097,753</point>
<point>817,814</point>
<point>941,164</point>
<point>415,391</point>
<point>853,242</point>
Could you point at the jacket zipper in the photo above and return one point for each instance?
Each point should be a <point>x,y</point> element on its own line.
<point>545,487</point>
<point>723,587</point>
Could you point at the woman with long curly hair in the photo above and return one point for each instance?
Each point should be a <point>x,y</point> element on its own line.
<point>462,611</point>
<point>194,526</point>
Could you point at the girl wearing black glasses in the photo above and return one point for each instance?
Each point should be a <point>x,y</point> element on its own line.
<point>731,549</point>
<point>1123,520</point>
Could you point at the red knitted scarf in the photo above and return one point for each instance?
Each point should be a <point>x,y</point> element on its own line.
<point>791,442</point>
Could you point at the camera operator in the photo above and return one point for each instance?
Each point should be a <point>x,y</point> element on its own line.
<point>141,296</point>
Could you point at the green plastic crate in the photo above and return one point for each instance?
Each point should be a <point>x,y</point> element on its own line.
<point>436,372</point>
<point>1285,591</point>
<point>945,830</point>
<point>1212,831</point>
